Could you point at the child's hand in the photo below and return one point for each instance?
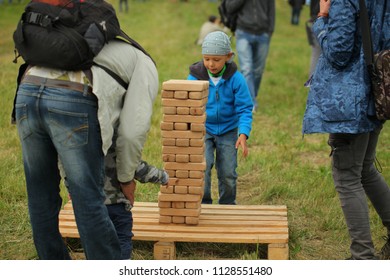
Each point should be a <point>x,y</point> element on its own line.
<point>241,141</point>
<point>128,190</point>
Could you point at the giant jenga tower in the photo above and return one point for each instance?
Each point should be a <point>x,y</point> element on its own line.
<point>183,130</point>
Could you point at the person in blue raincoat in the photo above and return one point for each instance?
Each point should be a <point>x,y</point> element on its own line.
<point>339,103</point>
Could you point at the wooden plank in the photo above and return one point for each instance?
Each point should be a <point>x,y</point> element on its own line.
<point>212,237</point>
<point>179,212</point>
<point>182,134</point>
<point>190,103</point>
<point>185,182</point>
<point>185,166</point>
<point>178,197</point>
<point>147,220</point>
<point>182,142</point>
<point>198,94</point>
<point>210,229</point>
<point>207,220</point>
<point>182,111</point>
<point>228,212</point>
<point>169,110</point>
<point>168,141</point>
<point>183,126</point>
<point>184,118</point>
<point>166,126</point>
<point>207,209</point>
<point>207,237</point>
<point>188,85</point>
<point>245,207</point>
<point>180,94</point>
<point>194,111</point>
<point>167,93</point>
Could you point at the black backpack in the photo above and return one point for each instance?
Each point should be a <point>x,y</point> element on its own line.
<point>228,19</point>
<point>68,34</point>
<point>65,34</point>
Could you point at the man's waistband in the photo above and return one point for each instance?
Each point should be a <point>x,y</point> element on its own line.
<point>35,80</point>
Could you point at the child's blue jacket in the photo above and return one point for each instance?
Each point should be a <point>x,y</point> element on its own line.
<point>229,104</point>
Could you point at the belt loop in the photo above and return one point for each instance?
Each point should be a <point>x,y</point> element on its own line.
<point>85,89</point>
<point>43,84</point>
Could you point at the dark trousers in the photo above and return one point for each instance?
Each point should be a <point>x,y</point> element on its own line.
<point>356,178</point>
<point>123,223</point>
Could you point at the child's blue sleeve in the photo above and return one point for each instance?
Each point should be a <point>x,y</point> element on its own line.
<point>190,77</point>
<point>244,105</point>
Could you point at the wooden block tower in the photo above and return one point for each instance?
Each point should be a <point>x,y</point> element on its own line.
<point>183,130</point>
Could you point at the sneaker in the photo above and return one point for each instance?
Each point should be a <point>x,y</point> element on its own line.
<point>150,174</point>
<point>384,254</point>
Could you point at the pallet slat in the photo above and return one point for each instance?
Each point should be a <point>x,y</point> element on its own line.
<point>207,237</point>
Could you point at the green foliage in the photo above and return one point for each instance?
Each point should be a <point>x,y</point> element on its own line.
<point>283,167</point>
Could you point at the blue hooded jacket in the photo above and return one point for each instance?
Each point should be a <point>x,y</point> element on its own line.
<point>339,99</point>
<point>229,103</point>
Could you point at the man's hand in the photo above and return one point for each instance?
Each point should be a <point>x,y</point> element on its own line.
<point>128,189</point>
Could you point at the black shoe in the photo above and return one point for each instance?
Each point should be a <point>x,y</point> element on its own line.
<point>384,254</point>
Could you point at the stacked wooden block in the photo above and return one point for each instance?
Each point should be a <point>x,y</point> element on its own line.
<point>182,131</point>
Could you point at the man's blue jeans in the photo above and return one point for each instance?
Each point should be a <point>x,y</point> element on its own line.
<point>55,124</point>
<point>223,146</point>
<point>355,177</point>
<point>252,53</point>
<point>123,222</point>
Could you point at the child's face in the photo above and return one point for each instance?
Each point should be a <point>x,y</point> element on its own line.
<point>215,63</point>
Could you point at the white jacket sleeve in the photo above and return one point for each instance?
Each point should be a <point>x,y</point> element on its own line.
<point>128,112</point>
<point>135,117</point>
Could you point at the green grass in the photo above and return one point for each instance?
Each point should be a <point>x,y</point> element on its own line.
<point>282,167</point>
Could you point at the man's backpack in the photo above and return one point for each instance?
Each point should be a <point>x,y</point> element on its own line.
<point>65,34</point>
<point>228,19</point>
<point>378,66</point>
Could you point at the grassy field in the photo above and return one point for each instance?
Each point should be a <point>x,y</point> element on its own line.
<point>283,166</point>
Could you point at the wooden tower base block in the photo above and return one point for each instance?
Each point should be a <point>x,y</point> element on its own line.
<point>183,130</point>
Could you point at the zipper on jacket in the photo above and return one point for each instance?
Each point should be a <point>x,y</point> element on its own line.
<point>217,98</point>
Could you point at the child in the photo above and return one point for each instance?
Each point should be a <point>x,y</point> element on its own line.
<point>229,114</point>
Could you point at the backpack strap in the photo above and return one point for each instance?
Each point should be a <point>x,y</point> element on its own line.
<point>22,70</point>
<point>114,75</point>
<point>366,34</point>
<point>124,37</point>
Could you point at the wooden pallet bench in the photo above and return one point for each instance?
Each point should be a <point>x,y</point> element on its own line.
<point>265,224</point>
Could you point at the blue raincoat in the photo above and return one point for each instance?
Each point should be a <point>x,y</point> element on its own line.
<point>339,99</point>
